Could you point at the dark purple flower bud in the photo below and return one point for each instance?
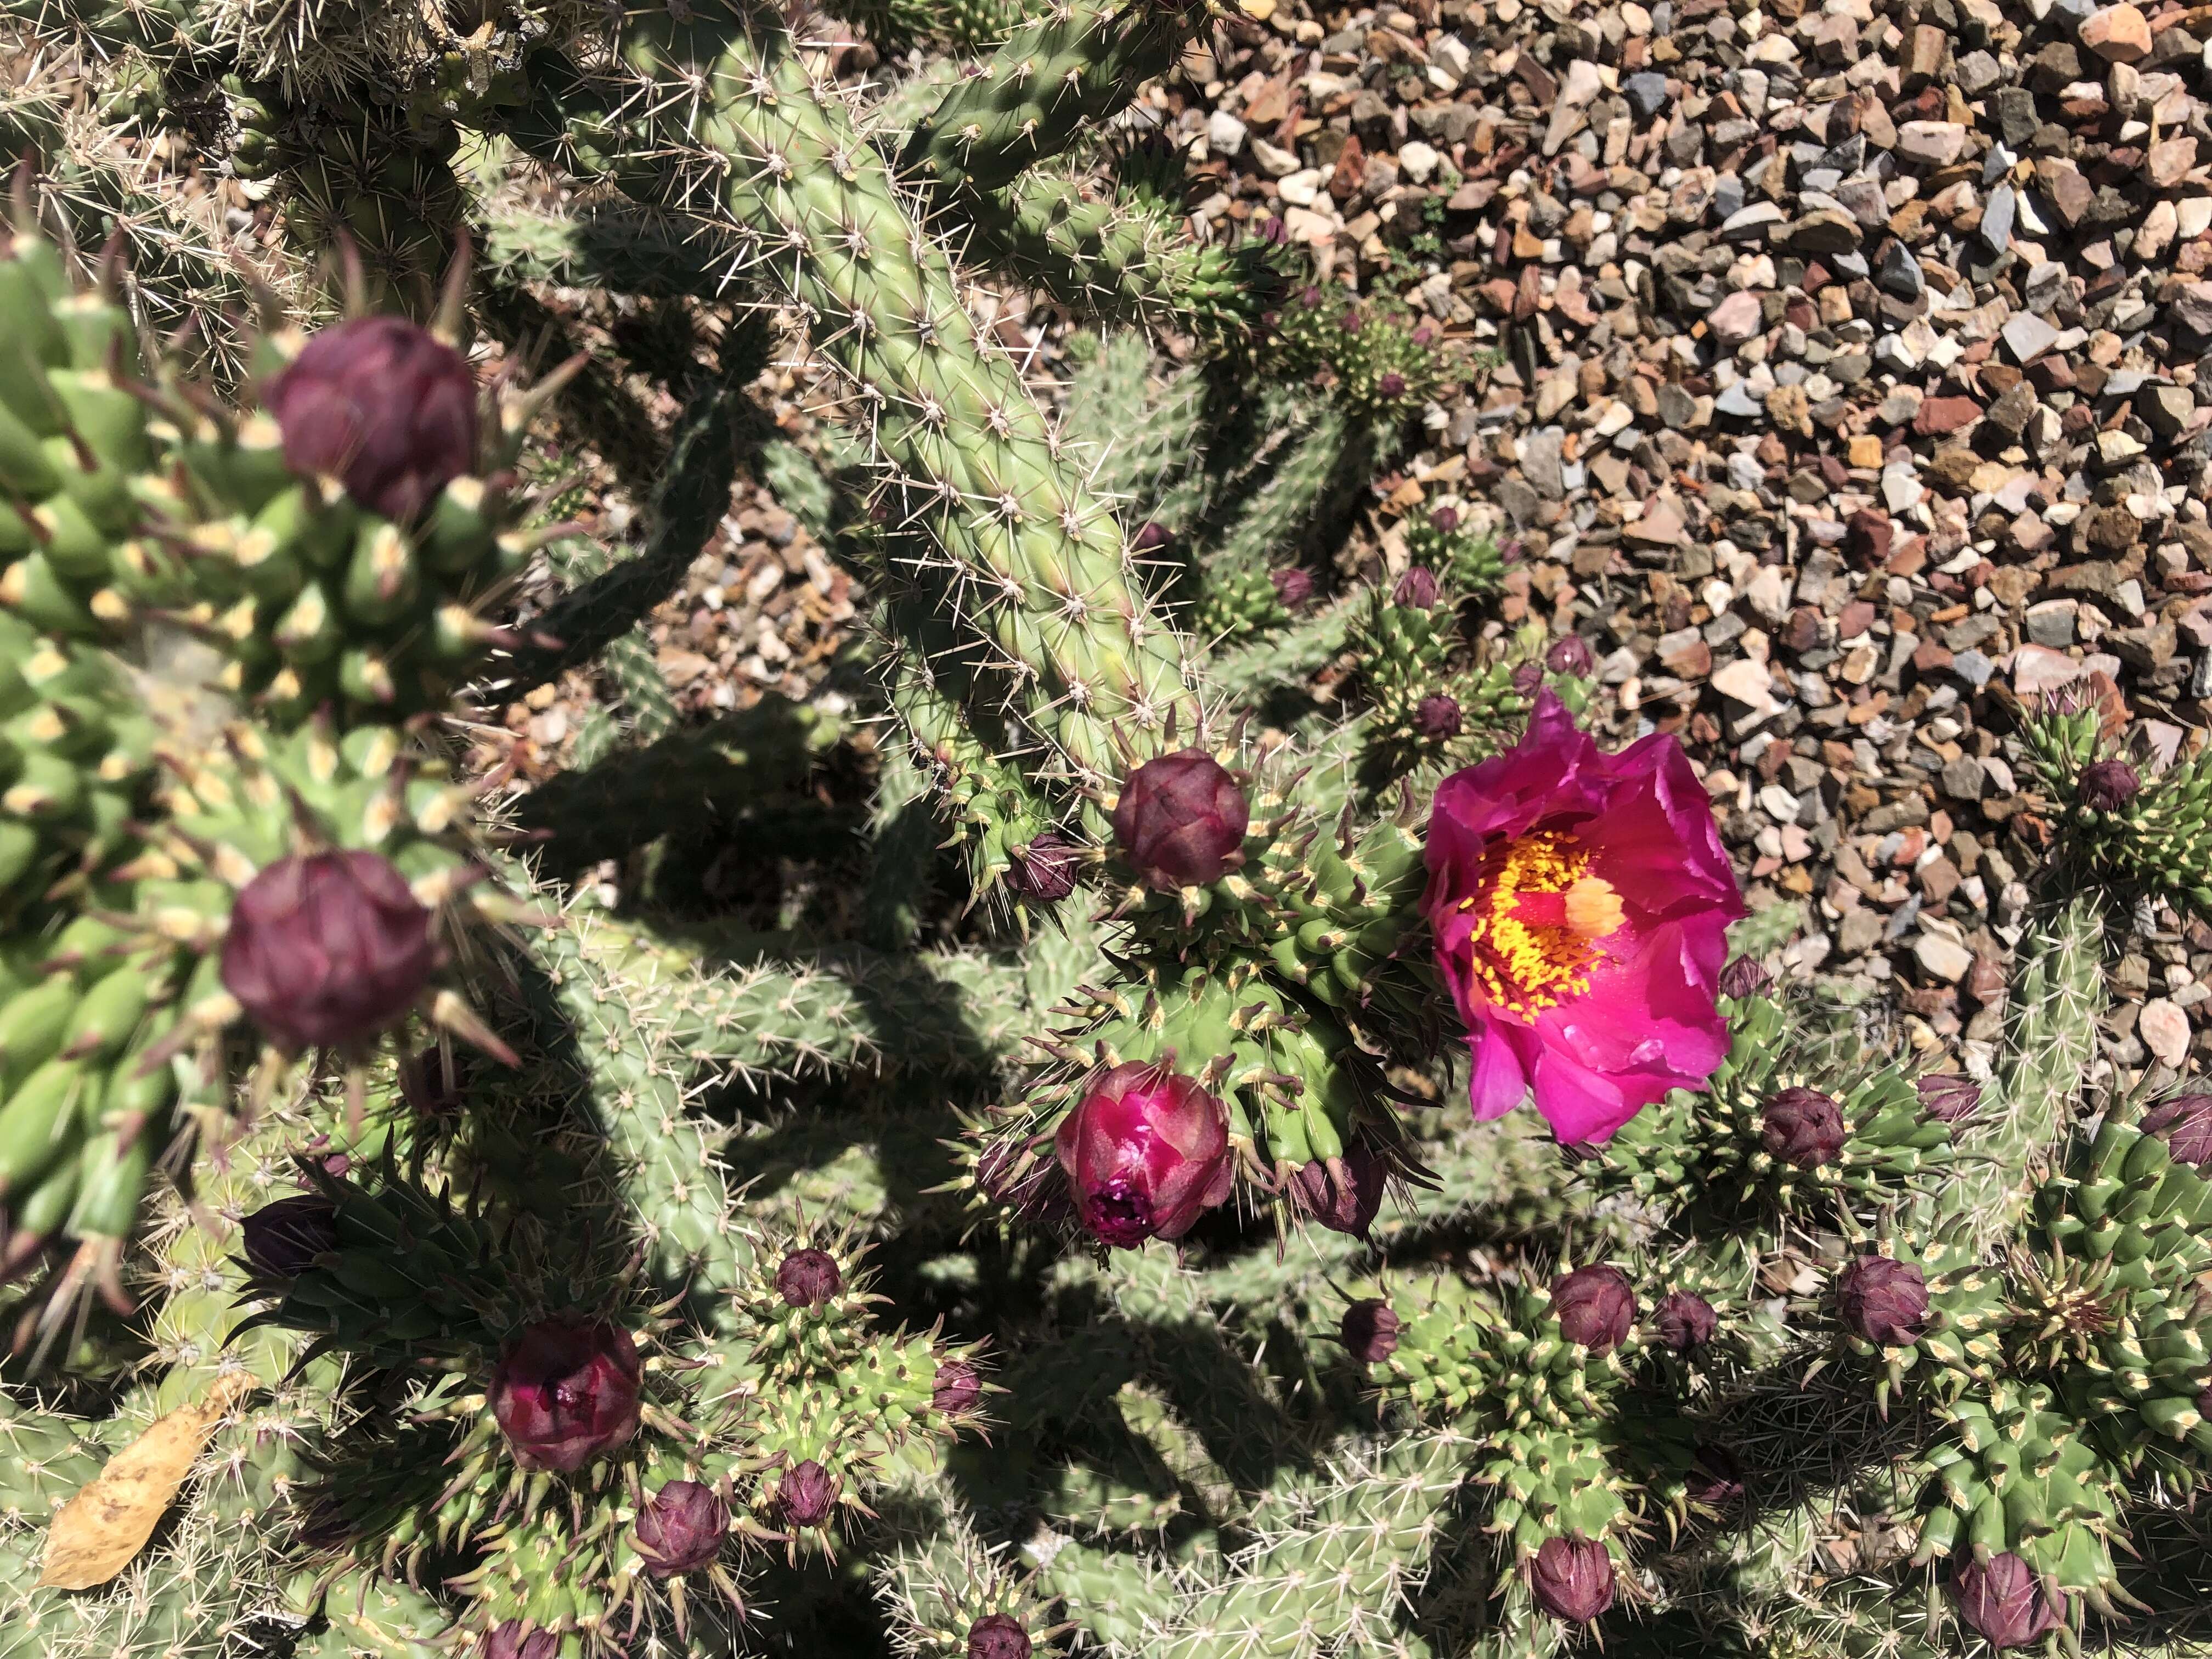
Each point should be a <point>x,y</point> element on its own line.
<point>1043,871</point>
<point>1571,655</point>
<point>1684,1320</point>
<point>1437,717</point>
<point>1510,553</point>
<point>1392,385</point>
<point>1527,678</point>
<point>1354,322</point>
<point>1146,1153</point>
<point>1310,298</point>
<point>1594,1306</point>
<point>1801,1126</point>
<point>283,1239</point>
<point>1425,335</point>
<point>1150,537</point>
<point>1715,1478</point>
<point>2106,786</point>
<point>1370,1331</point>
<point>1744,977</point>
<point>1344,1199</point>
<point>956,1388</point>
<point>1181,820</point>
<point>327,949</point>
<point>1572,1578</point>
<point>566,1392</point>
<point>995,1636</point>
<point>681,1530</point>
<point>2004,1600</point>
<point>516,1640</point>
<point>1275,233</point>
<point>1948,1097</point>
<point>1444,521</point>
<point>1293,586</point>
<point>383,406</point>
<point>807,1278</point>
<point>2186,1124</point>
<point>1416,589</point>
<point>1883,1302</point>
<point>806,1494</point>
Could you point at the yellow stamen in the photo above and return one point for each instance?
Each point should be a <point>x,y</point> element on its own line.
<point>1538,917</point>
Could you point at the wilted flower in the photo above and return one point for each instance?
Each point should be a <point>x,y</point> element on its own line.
<point>1181,820</point>
<point>2106,786</point>
<point>807,1278</point>
<point>1580,904</point>
<point>1344,1199</point>
<point>1437,717</point>
<point>382,405</point>
<point>1801,1126</point>
<point>955,1388</point>
<point>1744,977</point>
<point>282,1239</point>
<point>806,1494</point>
<point>327,949</point>
<point>1146,1153</point>
<point>1370,1331</point>
<point>566,1392</point>
<point>1417,588</point>
<point>2003,1599</point>
<point>1594,1306</point>
<point>2186,1124</point>
<point>1044,870</point>
<point>1948,1096</point>
<point>681,1530</point>
<point>996,1636</point>
<point>1293,586</point>
<point>516,1640</point>
<point>1684,1320</point>
<point>1882,1301</point>
<point>1572,1578</point>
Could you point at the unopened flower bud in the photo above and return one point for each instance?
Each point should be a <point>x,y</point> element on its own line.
<point>996,1636</point>
<point>1273,231</point>
<point>1444,521</point>
<point>1150,537</point>
<point>566,1392</point>
<point>1948,1097</point>
<point>1596,1306</point>
<point>1353,321</point>
<point>1310,297</point>
<point>1527,678</point>
<point>1416,589</point>
<point>1801,1126</point>
<point>1572,1579</point>
<point>955,1387</point>
<point>1370,1331</point>
<point>382,405</point>
<point>1344,1201</point>
<point>1571,655</point>
<point>1044,870</point>
<point>1392,384</point>
<point>1883,1302</point>
<point>681,1530</point>
<point>1425,335</point>
<point>2184,1123</point>
<point>1437,717</point>
<point>1744,977</point>
<point>2004,1600</point>
<point>1181,820</point>
<point>1147,1151</point>
<point>516,1640</point>
<point>806,1494</point>
<point>807,1278</point>
<point>1294,587</point>
<point>282,1239</point>
<point>328,949</point>
<point>2106,786</point>
<point>1684,1320</point>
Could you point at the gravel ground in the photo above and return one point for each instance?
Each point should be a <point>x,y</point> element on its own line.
<point>1843,393</point>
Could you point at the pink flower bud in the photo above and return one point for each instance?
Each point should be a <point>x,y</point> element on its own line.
<point>1150,537</point>
<point>2004,1600</point>
<point>1294,587</point>
<point>807,1278</point>
<point>1444,521</point>
<point>1043,871</point>
<point>516,1640</point>
<point>1596,1306</point>
<point>2186,1124</point>
<point>382,405</point>
<point>282,1239</point>
<point>1801,1126</point>
<point>1181,820</point>
<point>327,949</point>
<point>1345,1202</point>
<point>995,1636</point>
<point>1948,1097</point>
<point>681,1530</point>
<point>1572,1578</point>
<point>1437,717</point>
<point>1416,589</point>
<point>1684,1321</point>
<point>566,1392</point>
<point>1744,977</point>
<point>956,1387</point>
<point>806,1494</point>
<point>1370,1331</point>
<point>2106,786</point>
<point>1527,678</point>
<point>1146,1153</point>
<point>1392,385</point>
<point>1883,1302</point>
<point>1571,655</point>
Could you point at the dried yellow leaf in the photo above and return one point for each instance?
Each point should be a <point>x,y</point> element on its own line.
<point>97,1533</point>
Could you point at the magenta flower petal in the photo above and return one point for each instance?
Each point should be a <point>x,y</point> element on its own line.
<point>1579,904</point>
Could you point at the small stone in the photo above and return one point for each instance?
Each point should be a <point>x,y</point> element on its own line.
<point>1417,160</point>
<point>1646,93</point>
<point>1939,415</point>
<point>2118,34</point>
<point>1224,133</point>
<point>1735,318</point>
<point>2164,1029</point>
<point>1933,143</point>
<point>2027,337</point>
<point>1944,960</point>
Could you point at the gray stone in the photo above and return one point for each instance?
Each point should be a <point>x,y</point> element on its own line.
<point>2027,336</point>
<point>1996,230</point>
<point>1901,274</point>
<point>1646,93</point>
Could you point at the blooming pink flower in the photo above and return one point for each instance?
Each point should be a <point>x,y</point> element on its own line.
<point>1580,904</point>
<point>1146,1152</point>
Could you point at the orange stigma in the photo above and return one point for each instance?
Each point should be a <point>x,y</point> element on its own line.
<point>1538,922</point>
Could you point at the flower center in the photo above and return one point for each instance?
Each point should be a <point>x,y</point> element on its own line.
<point>1538,919</point>
<point>1121,1213</point>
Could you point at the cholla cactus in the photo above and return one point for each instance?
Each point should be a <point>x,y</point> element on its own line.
<point>1050,1220</point>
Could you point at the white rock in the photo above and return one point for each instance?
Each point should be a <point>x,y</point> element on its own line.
<point>1224,133</point>
<point>1417,160</point>
<point>1299,189</point>
<point>1747,682</point>
<point>1275,162</point>
<point>1944,959</point>
<point>2165,1031</point>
